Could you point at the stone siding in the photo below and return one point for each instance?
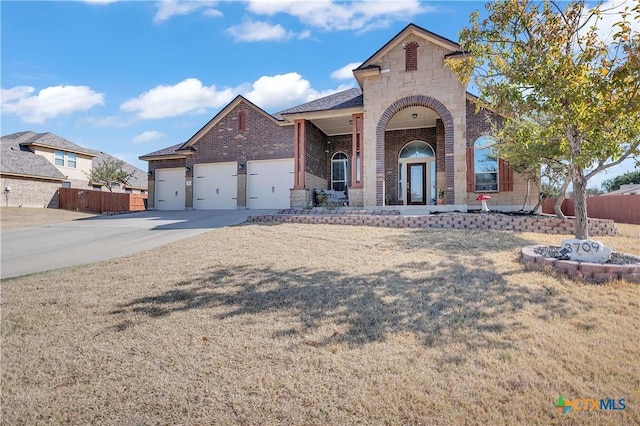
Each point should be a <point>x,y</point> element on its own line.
<point>28,192</point>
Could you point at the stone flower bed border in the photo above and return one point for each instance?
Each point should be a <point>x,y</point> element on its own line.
<point>393,219</point>
<point>592,272</point>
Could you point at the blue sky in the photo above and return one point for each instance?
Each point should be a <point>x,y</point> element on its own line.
<point>132,77</point>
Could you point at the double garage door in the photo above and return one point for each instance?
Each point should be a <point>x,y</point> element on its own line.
<point>215,186</point>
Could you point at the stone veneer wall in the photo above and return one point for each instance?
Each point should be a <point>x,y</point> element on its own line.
<point>432,81</point>
<point>544,225</point>
<point>26,192</point>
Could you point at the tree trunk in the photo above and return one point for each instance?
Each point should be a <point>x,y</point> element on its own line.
<point>526,195</point>
<point>580,200</point>
<point>579,183</point>
<point>557,207</point>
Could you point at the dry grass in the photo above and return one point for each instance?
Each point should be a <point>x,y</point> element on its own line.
<point>17,217</point>
<point>295,324</point>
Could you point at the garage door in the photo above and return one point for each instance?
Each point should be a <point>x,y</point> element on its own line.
<point>268,183</point>
<point>215,186</point>
<point>170,189</point>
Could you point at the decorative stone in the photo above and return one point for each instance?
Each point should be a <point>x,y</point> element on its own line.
<point>586,250</point>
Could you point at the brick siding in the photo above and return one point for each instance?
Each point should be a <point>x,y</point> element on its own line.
<point>394,140</point>
<point>262,140</point>
<point>315,147</point>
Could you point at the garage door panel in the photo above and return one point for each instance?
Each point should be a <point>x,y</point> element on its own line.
<point>269,183</point>
<point>215,186</point>
<point>169,187</point>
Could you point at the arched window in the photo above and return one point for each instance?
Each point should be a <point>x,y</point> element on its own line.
<point>411,56</point>
<point>339,171</point>
<point>485,165</point>
<point>242,121</point>
<point>417,149</point>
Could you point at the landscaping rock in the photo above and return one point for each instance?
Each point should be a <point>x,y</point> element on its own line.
<point>585,250</point>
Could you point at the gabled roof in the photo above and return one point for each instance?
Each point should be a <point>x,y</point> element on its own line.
<point>350,98</point>
<point>48,140</point>
<point>168,152</point>
<point>220,115</point>
<point>138,180</point>
<point>370,66</point>
<point>450,45</point>
<point>20,161</point>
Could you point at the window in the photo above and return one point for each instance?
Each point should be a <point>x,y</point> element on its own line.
<point>58,158</point>
<point>485,165</point>
<point>71,159</point>
<point>242,121</point>
<point>411,56</point>
<point>339,172</point>
<point>66,184</point>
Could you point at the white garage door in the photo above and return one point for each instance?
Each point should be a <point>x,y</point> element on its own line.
<point>268,183</point>
<point>170,189</point>
<point>215,186</point>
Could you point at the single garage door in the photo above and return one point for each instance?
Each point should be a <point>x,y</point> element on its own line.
<point>215,186</point>
<point>268,183</point>
<point>170,189</point>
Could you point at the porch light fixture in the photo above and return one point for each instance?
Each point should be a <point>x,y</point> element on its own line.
<point>350,121</point>
<point>188,168</point>
<point>414,115</point>
<point>240,165</point>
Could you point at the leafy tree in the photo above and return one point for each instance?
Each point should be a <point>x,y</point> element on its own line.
<point>624,179</point>
<point>110,173</point>
<point>546,59</point>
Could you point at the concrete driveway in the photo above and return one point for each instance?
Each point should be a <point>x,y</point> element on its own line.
<point>53,246</point>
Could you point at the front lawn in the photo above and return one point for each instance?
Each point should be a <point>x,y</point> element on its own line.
<point>312,324</point>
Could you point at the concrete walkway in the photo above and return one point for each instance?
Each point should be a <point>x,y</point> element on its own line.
<point>47,247</point>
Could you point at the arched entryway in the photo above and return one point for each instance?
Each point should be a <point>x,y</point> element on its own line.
<point>445,157</point>
<point>417,174</point>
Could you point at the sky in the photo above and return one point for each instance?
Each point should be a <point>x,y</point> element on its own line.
<point>132,77</point>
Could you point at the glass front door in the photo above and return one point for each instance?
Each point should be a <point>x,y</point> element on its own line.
<point>416,183</point>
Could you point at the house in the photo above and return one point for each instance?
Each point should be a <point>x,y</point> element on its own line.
<point>408,133</point>
<point>34,165</point>
<point>626,189</point>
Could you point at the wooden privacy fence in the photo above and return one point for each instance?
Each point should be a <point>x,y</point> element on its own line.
<point>100,202</point>
<point>620,208</point>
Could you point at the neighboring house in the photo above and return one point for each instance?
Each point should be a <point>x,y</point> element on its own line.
<point>409,132</point>
<point>34,165</point>
<point>626,189</point>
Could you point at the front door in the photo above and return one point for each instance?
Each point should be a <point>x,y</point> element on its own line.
<point>416,183</point>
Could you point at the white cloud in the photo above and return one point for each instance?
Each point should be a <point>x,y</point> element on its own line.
<point>148,136</point>
<point>346,72</point>
<point>285,90</point>
<point>264,31</point>
<point>170,101</point>
<point>170,8</point>
<point>191,96</point>
<point>48,103</point>
<point>610,15</point>
<point>258,31</point>
<point>333,15</point>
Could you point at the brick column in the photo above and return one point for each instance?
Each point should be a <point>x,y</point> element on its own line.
<point>298,154</point>
<point>357,146</point>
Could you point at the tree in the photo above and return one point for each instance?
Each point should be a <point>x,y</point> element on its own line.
<point>110,173</point>
<point>540,59</point>
<point>624,179</point>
